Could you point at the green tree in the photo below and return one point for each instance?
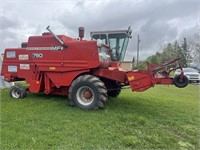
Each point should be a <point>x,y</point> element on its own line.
<point>141,65</point>
<point>186,53</point>
<point>196,52</point>
<point>178,53</point>
<point>170,51</point>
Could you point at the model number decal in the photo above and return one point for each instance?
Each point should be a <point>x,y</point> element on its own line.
<point>37,55</point>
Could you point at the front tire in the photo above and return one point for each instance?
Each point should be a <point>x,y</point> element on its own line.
<point>18,92</point>
<point>113,87</point>
<point>88,92</point>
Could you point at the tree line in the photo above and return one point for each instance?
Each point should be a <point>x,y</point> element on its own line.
<point>188,52</point>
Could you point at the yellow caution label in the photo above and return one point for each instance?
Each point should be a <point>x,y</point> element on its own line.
<point>131,78</point>
<point>52,68</point>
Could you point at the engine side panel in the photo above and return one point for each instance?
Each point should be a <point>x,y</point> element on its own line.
<point>61,64</point>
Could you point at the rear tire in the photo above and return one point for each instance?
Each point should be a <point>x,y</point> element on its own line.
<point>180,84</point>
<point>88,92</point>
<point>18,92</point>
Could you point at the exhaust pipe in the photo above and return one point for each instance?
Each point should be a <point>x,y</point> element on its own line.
<point>81,32</point>
<point>56,37</point>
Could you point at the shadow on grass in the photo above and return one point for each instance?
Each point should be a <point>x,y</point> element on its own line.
<point>115,105</point>
<point>50,97</point>
<point>121,105</point>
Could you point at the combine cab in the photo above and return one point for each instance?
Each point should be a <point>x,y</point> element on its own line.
<point>117,41</point>
<point>87,71</point>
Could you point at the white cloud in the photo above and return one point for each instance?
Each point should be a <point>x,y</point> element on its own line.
<point>156,21</point>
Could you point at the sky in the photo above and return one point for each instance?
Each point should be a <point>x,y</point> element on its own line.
<point>156,21</point>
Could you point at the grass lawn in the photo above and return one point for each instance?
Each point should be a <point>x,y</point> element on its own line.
<point>163,117</point>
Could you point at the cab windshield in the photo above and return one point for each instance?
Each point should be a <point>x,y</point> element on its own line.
<point>101,37</point>
<point>118,43</point>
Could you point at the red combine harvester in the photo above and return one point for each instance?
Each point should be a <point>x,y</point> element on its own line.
<point>87,71</point>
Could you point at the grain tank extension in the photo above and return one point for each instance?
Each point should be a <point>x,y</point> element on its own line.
<point>88,71</point>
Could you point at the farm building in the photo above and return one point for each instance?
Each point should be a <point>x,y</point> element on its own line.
<point>126,65</point>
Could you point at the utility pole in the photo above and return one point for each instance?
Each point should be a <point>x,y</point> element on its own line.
<point>138,48</point>
<point>133,63</point>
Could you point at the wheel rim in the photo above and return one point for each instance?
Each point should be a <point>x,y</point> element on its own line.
<point>85,95</point>
<point>16,94</point>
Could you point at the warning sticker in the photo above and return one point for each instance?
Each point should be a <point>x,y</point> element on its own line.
<point>23,57</point>
<point>25,66</point>
<point>12,68</point>
<point>131,78</point>
<point>10,54</point>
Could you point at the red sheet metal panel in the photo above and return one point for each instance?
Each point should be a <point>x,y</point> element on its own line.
<point>112,73</point>
<point>139,80</point>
